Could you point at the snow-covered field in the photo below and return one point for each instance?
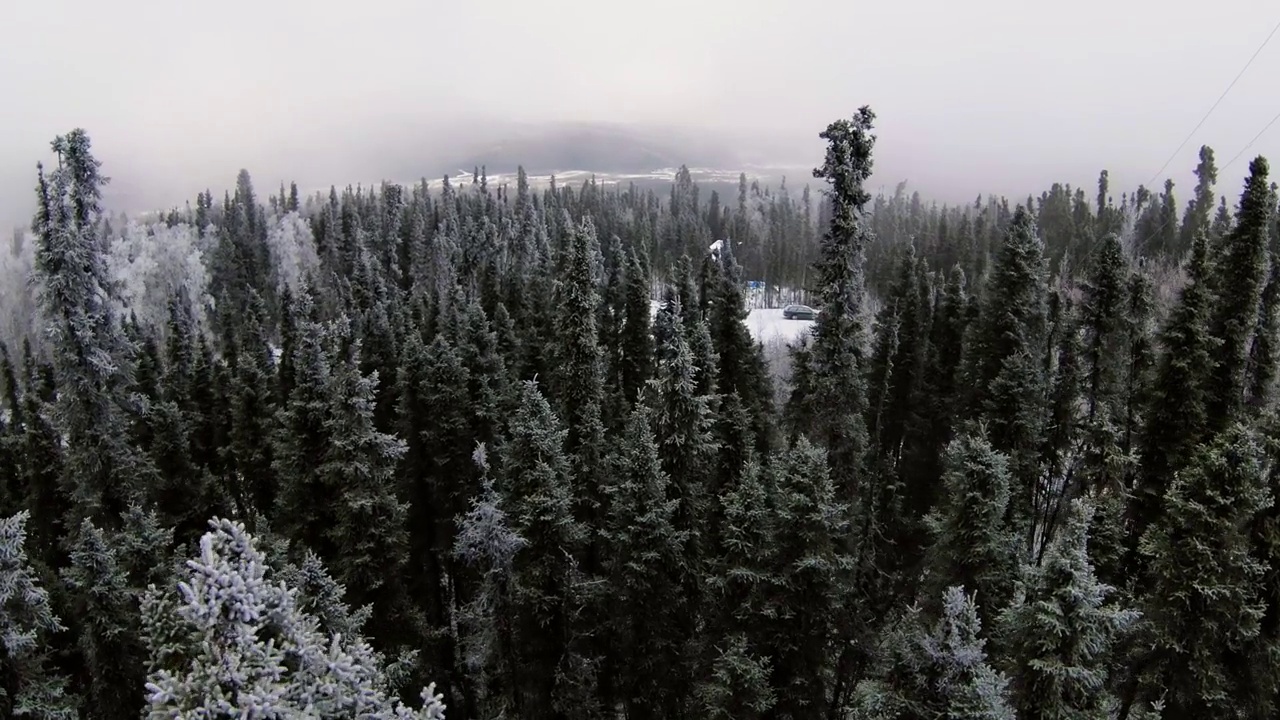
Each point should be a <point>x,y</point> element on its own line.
<point>767,325</point>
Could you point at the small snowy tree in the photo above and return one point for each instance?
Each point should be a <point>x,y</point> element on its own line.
<point>235,644</point>
<point>939,673</point>
<point>28,689</point>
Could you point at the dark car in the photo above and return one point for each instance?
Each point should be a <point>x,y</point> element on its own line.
<point>799,312</point>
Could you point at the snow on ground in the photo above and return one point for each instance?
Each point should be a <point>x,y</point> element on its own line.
<point>766,325</point>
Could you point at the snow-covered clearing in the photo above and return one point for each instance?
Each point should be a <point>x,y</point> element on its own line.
<point>766,325</point>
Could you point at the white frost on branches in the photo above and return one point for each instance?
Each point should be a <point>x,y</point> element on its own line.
<point>293,249</point>
<point>150,262</point>
<point>235,644</point>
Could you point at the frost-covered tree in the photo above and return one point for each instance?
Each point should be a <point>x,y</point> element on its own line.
<point>29,686</point>
<point>1239,275</point>
<point>643,555</point>
<point>836,358</point>
<point>232,642</point>
<point>91,357</point>
<point>1202,593</point>
<point>1005,366</point>
<point>151,262</point>
<point>938,672</point>
<point>1060,635</point>
<point>537,488</point>
<point>972,544</point>
<point>487,543</point>
<point>106,623</point>
<point>737,686</point>
<point>292,248</point>
<point>813,580</point>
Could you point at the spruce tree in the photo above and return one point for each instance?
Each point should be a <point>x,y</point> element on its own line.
<point>1260,372</point>
<point>682,423</point>
<point>579,374</point>
<point>253,406</point>
<point>92,360</point>
<point>106,624</point>
<point>1199,215</point>
<point>644,553</point>
<point>741,366</point>
<point>365,529</point>
<point>537,489</point>
<point>1062,632</point>
<point>814,581</point>
<point>487,544</point>
<point>937,672</point>
<point>1177,419</point>
<point>737,687</point>
<point>836,359</point>
<point>637,336</point>
<point>1239,276</point>
<point>1203,587</point>
<point>1005,366</point>
<point>29,687</point>
<point>235,643</point>
<point>435,480</point>
<point>972,543</point>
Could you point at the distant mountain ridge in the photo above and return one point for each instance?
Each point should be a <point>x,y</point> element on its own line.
<point>595,147</point>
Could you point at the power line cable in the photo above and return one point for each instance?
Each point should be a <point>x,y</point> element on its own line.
<point>1254,140</point>
<point>1216,103</point>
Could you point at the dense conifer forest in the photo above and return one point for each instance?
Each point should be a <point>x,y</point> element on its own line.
<point>378,451</point>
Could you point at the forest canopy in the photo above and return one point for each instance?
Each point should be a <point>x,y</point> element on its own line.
<point>514,450</point>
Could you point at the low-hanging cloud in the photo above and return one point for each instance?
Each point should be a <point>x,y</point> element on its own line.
<point>986,96</point>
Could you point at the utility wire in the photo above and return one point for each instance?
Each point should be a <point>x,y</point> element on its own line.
<point>1261,132</point>
<point>1215,104</point>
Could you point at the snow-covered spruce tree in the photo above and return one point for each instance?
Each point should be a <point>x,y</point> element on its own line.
<point>91,357</point>
<point>1060,635</point>
<point>106,625</point>
<point>1203,598</point>
<point>836,359</point>
<point>972,544</point>
<point>29,688</point>
<point>814,575</point>
<point>939,672</point>
<point>1005,364</point>
<point>233,643</point>
<point>643,555</point>
<point>737,686</point>
<point>537,489</point>
<point>1239,275</point>
<point>486,543</point>
<point>1177,417</point>
<point>682,422</point>
<point>578,377</point>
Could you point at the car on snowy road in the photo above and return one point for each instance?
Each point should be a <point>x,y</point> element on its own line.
<point>799,312</point>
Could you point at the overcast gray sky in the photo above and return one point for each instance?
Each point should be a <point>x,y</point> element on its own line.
<point>990,95</point>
